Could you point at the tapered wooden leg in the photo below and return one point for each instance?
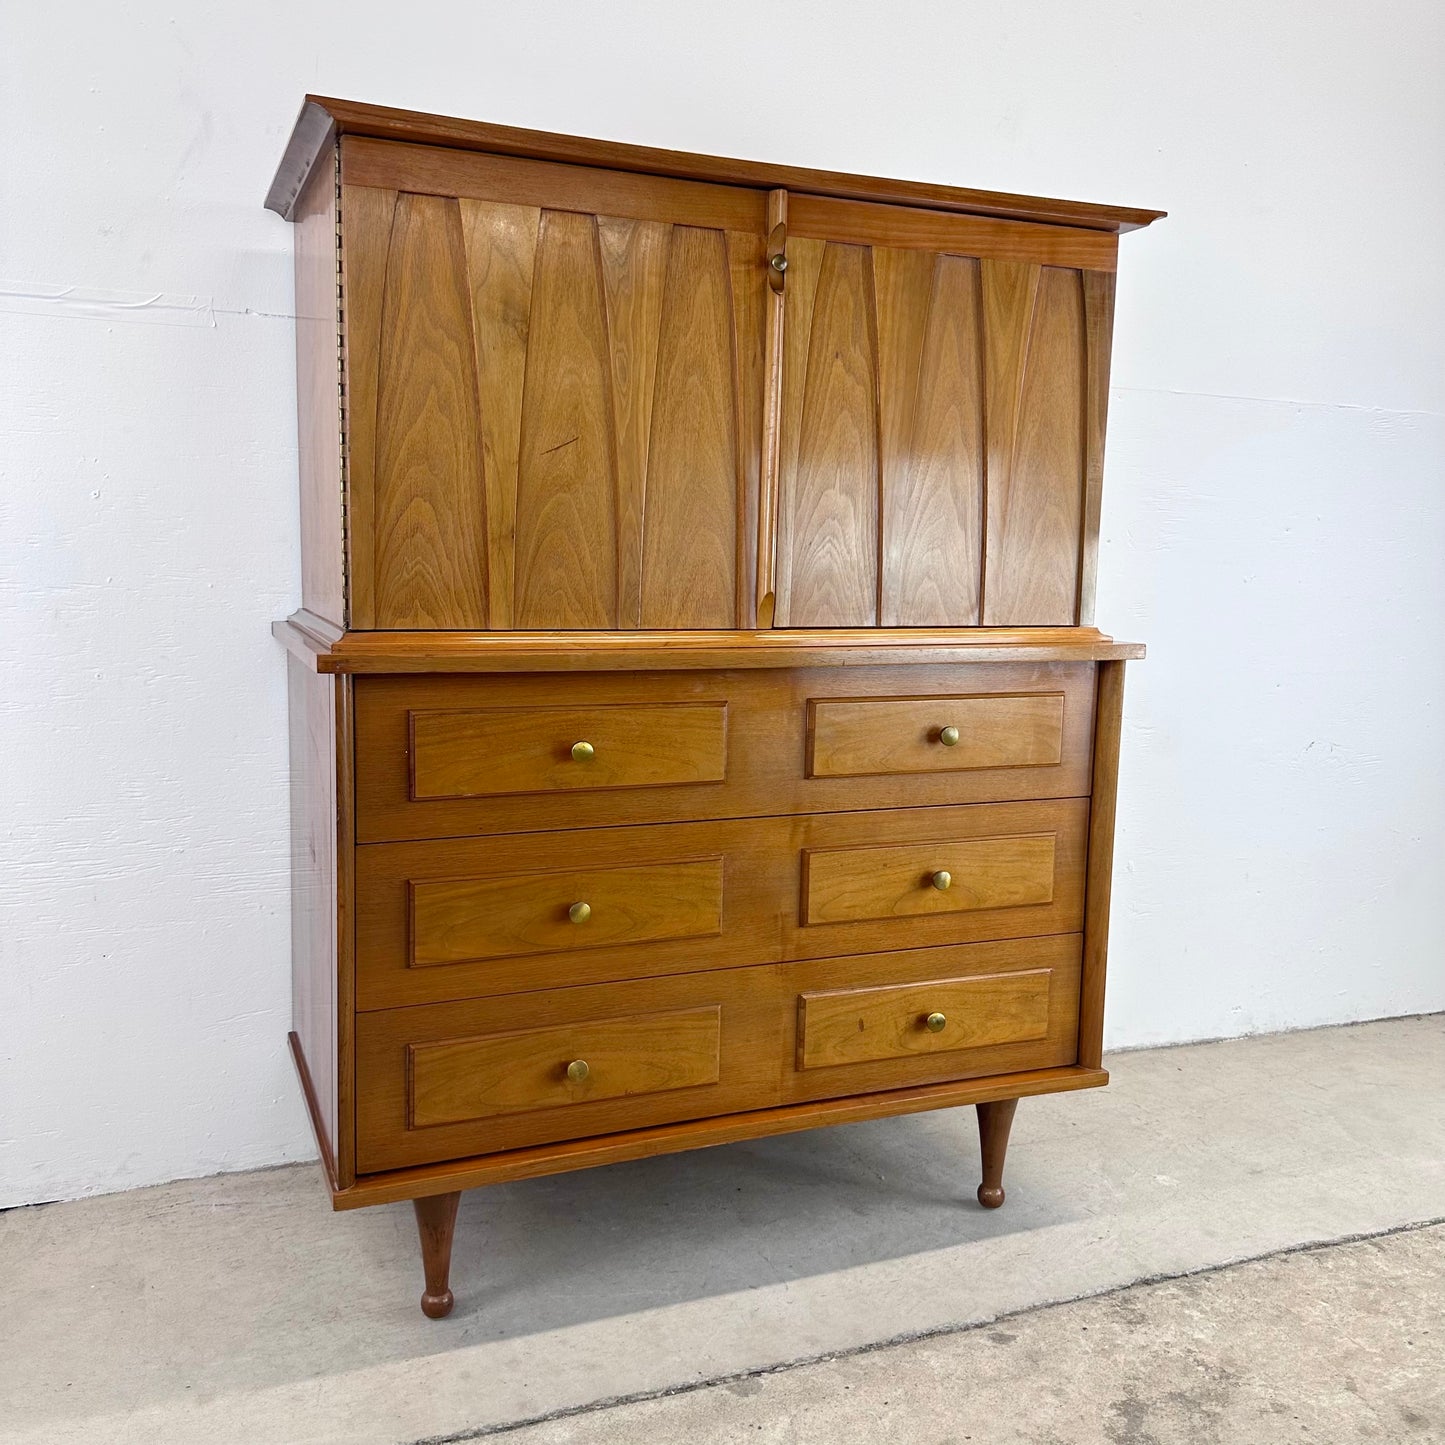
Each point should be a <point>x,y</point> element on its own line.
<point>436,1222</point>
<point>994,1122</point>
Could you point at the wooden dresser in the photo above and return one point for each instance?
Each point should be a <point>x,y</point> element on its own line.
<point>698,726</point>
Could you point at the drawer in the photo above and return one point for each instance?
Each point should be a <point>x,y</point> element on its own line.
<point>890,1020</point>
<point>921,876</point>
<point>487,752</point>
<point>462,919</point>
<point>459,918</point>
<point>446,1081</point>
<point>944,733</point>
<point>464,756</point>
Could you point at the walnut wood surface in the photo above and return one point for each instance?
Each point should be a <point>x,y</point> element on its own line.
<point>491,751</point>
<point>857,1025</point>
<point>844,885</point>
<point>766,766</point>
<point>326,649</point>
<point>994,1122</point>
<point>390,1186</point>
<point>322,119</point>
<point>322,894</point>
<point>1109,715</point>
<point>521,940</point>
<point>458,1081</point>
<point>318,398</point>
<point>851,739</point>
<point>456,1046</point>
<point>556,394</point>
<point>471,919</point>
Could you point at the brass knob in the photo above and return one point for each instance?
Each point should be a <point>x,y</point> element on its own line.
<point>577,1071</point>
<point>942,880</point>
<point>949,737</point>
<point>779,263</point>
<point>580,912</point>
<point>582,752</point>
<point>935,1023</point>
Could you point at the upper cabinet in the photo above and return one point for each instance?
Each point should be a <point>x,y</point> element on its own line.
<point>554,393</point>
<point>944,382</point>
<point>665,392</point>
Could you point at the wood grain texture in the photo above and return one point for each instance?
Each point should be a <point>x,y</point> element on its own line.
<point>322,894</point>
<point>1034,342</point>
<point>852,738</point>
<point>1098,344</point>
<point>425,1181</point>
<point>829,533</point>
<point>585,190</point>
<point>765,766</point>
<point>325,649</point>
<point>322,118</point>
<point>741,1068</point>
<point>461,920</point>
<point>487,752</point>
<point>460,1080</point>
<point>318,398</point>
<point>1098,885</point>
<point>429,543</point>
<point>890,1021</point>
<point>861,224</point>
<point>898,880</point>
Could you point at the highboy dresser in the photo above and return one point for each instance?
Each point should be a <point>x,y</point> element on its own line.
<point>698,726</point>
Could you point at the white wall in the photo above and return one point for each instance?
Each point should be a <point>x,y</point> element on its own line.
<point>1274,523</point>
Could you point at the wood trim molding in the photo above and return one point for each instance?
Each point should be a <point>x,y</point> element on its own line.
<point>321,119</point>
<point>426,1180</point>
<point>393,652</point>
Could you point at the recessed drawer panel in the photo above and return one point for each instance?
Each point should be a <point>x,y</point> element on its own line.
<point>485,752</point>
<point>460,919</point>
<point>845,885</point>
<point>510,1073</point>
<point>853,737</point>
<point>898,1021</point>
<point>443,1081</point>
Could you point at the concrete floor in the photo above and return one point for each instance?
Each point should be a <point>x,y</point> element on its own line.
<point>241,1309</point>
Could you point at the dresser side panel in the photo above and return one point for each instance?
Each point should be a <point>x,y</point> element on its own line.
<point>1099,871</point>
<point>319,415</point>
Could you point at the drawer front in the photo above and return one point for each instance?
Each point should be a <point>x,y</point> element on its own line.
<point>458,1080</point>
<point>463,919</point>
<point>457,918</point>
<point>492,751</point>
<point>851,738</point>
<point>449,757</point>
<point>890,1020</point>
<point>922,876</point>
<point>446,1081</point>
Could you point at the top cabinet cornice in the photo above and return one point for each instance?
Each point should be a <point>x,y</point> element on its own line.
<point>550,384</point>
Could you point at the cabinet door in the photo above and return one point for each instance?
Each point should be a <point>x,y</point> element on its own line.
<point>554,393</point>
<point>944,380</point>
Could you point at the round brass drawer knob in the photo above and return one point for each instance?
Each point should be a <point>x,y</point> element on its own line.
<point>935,1023</point>
<point>942,880</point>
<point>577,1071</point>
<point>580,912</point>
<point>948,737</point>
<point>779,263</point>
<point>582,752</point>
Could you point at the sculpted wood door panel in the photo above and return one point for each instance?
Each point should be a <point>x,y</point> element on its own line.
<point>554,407</point>
<point>943,391</point>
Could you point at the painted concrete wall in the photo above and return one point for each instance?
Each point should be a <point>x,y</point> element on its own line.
<point>1274,521</point>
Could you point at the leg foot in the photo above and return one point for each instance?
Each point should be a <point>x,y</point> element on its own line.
<point>994,1122</point>
<point>436,1220</point>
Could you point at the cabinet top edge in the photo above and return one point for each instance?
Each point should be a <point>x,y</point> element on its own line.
<point>323,120</point>
<point>326,648</point>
